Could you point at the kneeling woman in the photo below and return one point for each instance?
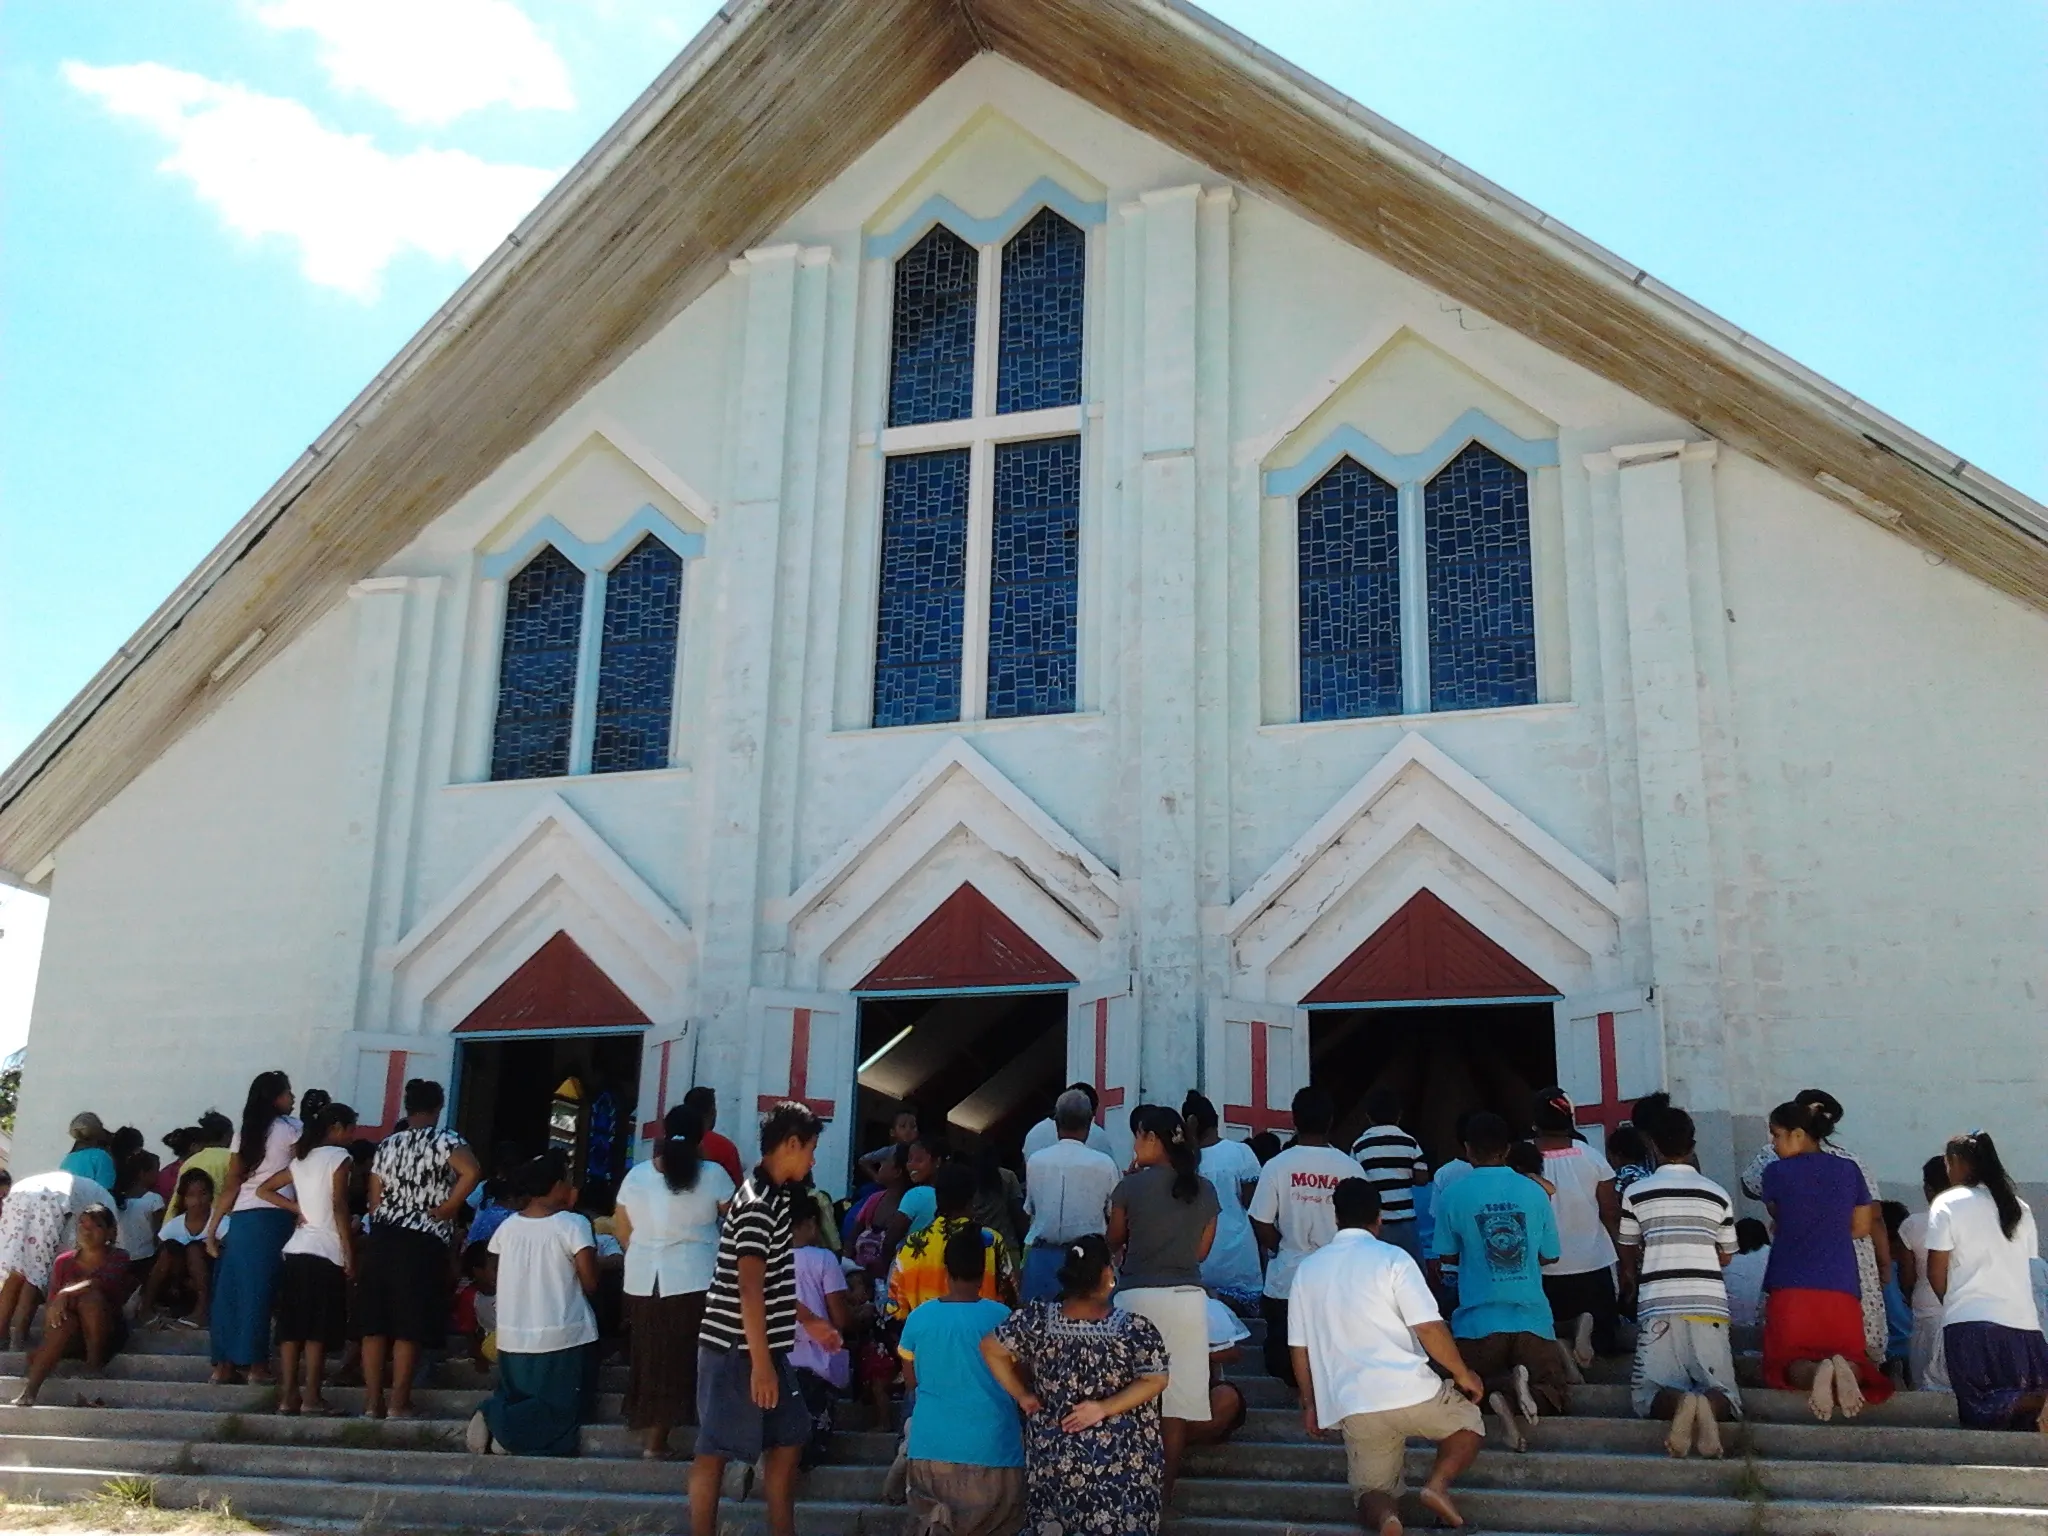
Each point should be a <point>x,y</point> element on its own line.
<point>547,1273</point>
<point>1980,1236</point>
<point>1813,1327</point>
<point>1094,1459</point>
<point>88,1287</point>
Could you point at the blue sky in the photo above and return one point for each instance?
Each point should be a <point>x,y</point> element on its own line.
<point>221,217</point>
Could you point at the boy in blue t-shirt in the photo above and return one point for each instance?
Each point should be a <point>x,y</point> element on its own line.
<point>963,1418</point>
<point>1497,1226</point>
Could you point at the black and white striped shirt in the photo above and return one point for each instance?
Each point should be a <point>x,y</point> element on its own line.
<point>756,1227</point>
<point>1391,1158</point>
<point>1683,1221</point>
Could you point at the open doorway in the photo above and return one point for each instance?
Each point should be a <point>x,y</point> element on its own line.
<point>1444,1061</point>
<point>981,1066</point>
<point>515,1097</point>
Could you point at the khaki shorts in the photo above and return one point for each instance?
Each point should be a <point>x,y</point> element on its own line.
<point>1375,1444</point>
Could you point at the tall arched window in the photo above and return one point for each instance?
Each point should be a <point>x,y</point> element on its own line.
<point>537,669</point>
<point>1482,598</point>
<point>1349,554</point>
<point>983,454</point>
<point>636,668</point>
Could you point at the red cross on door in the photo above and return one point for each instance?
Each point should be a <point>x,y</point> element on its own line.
<point>1611,1111</point>
<point>1260,1115</point>
<point>799,1070</point>
<point>1106,1097</point>
<point>653,1129</point>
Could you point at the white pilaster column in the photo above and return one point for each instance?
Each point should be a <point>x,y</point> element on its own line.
<point>1169,812</point>
<point>1664,689</point>
<point>742,553</point>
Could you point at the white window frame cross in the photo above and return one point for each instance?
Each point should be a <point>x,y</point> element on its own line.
<point>596,562</point>
<point>980,433</point>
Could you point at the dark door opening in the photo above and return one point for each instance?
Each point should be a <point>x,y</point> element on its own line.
<point>982,1067</point>
<point>517,1097</point>
<point>1444,1061</point>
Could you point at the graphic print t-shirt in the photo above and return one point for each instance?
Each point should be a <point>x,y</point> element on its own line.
<point>1498,1228</point>
<point>1294,1195</point>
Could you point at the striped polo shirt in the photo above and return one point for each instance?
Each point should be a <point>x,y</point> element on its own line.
<point>1683,1221</point>
<point>1391,1158</point>
<point>756,1227</point>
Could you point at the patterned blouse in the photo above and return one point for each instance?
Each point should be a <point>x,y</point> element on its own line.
<point>418,1175</point>
<point>1104,1481</point>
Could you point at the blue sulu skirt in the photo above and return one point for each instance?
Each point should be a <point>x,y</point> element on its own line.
<point>538,1407</point>
<point>245,1285</point>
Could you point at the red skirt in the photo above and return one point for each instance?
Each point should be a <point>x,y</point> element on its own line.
<point>1813,1325</point>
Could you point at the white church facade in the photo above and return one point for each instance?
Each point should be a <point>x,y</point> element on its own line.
<point>1049,604</point>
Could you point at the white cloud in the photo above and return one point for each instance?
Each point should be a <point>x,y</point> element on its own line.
<point>430,61</point>
<point>269,167</point>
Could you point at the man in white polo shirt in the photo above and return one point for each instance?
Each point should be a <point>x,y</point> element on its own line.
<point>1362,1328</point>
<point>1066,1193</point>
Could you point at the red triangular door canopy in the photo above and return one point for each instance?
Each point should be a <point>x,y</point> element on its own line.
<point>967,942</point>
<point>559,987</point>
<point>1427,952</point>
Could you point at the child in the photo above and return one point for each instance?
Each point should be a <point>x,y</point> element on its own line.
<point>547,1273</point>
<point>966,1468</point>
<point>1898,1313</point>
<point>1744,1275</point>
<point>748,1404</point>
<point>88,1287</point>
<point>475,1314</point>
<point>1926,1365</point>
<point>180,1286</point>
<point>821,1374</point>
<point>1526,1158</point>
<point>139,1207</point>
<point>319,1257</point>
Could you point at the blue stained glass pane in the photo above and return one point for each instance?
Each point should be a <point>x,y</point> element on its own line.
<point>921,619</point>
<point>537,669</point>
<point>1038,353</point>
<point>1034,595</point>
<point>1482,600</point>
<point>931,344</point>
<point>636,666</point>
<point>1349,551</point>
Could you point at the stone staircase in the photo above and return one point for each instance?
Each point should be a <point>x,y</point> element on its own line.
<point>1904,1469</point>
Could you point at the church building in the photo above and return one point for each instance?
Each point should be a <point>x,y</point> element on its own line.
<point>972,544</point>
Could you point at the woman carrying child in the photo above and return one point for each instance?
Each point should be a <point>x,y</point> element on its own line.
<point>88,1287</point>
<point>319,1258</point>
<point>547,1273</point>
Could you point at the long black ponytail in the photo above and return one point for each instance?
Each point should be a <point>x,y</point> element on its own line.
<point>1982,1166</point>
<point>1158,1120</point>
<point>682,1148</point>
<point>259,1114</point>
<point>313,1133</point>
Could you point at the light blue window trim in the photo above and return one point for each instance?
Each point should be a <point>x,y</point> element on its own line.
<point>592,559</point>
<point>1406,469</point>
<point>887,245</point>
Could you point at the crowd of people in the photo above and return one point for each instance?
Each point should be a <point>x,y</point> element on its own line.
<point>1049,1347</point>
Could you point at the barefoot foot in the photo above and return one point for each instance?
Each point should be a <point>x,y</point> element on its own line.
<point>1821,1397</point>
<point>1525,1398</point>
<point>1706,1431</point>
<point>1438,1502</point>
<point>1678,1440</point>
<point>1848,1391</point>
<point>1511,1432</point>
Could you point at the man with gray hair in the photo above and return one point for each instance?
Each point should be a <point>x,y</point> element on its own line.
<point>1066,1193</point>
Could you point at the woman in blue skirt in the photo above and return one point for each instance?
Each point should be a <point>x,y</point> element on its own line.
<point>252,1254</point>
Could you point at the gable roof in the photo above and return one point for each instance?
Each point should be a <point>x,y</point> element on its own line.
<point>770,102</point>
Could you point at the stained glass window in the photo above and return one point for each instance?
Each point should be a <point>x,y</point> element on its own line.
<point>1034,578</point>
<point>1039,332</point>
<point>1350,574</point>
<point>922,616</point>
<point>537,669</point>
<point>636,667</point>
<point>931,346</point>
<point>1482,603</point>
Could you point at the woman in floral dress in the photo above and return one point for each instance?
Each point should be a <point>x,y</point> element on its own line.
<point>1088,1377</point>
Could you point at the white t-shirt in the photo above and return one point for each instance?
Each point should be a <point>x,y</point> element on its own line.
<point>1582,1241</point>
<point>1744,1277</point>
<point>1988,1279</point>
<point>135,1225</point>
<point>674,1243</point>
<point>277,1154</point>
<point>318,1232</point>
<point>1066,1191</point>
<point>1233,1262</point>
<point>1913,1233</point>
<point>175,1230</point>
<point>541,1305</point>
<point>1294,1196</point>
<point>1357,1302</point>
<point>1045,1133</point>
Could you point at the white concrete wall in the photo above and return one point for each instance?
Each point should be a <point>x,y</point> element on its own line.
<point>1866,894</point>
